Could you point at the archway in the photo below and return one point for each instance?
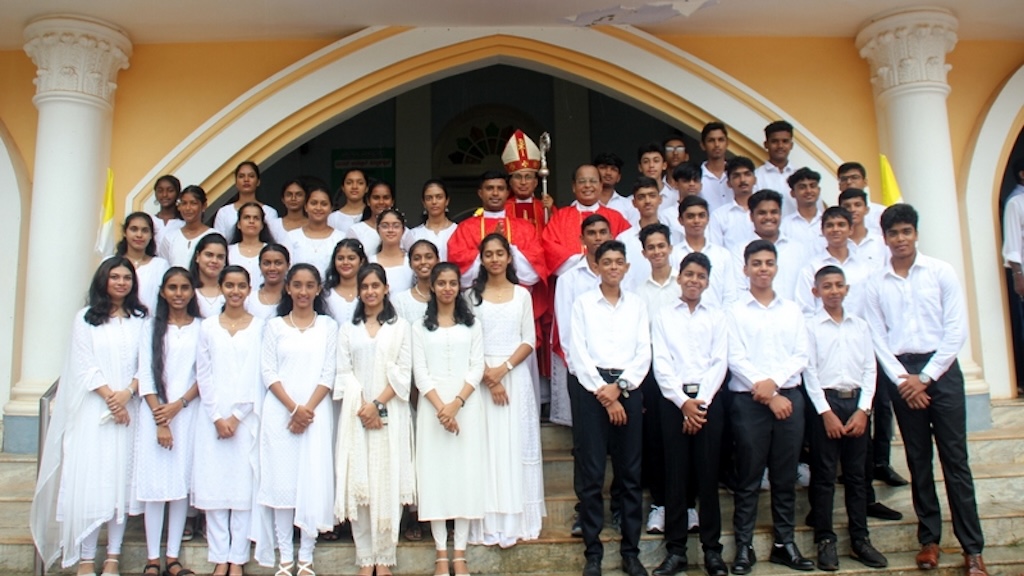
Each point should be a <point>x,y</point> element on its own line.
<point>341,80</point>
<point>981,181</point>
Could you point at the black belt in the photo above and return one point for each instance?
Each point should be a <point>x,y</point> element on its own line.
<point>915,356</point>
<point>844,394</point>
<point>610,375</point>
<point>691,390</point>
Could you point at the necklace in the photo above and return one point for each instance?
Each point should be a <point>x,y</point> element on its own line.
<point>421,294</point>
<point>307,327</point>
<point>232,324</point>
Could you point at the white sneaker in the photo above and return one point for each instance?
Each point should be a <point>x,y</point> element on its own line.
<point>692,519</point>
<point>765,484</point>
<point>656,520</point>
<point>803,475</point>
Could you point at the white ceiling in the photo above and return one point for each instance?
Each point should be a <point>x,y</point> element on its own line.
<point>170,21</point>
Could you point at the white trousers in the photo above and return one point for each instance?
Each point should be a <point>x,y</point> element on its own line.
<point>362,534</point>
<point>155,526</point>
<point>440,531</point>
<point>115,537</point>
<point>284,524</point>
<point>227,534</point>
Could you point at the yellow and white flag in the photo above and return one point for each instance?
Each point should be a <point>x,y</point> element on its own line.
<point>890,188</point>
<point>105,236</point>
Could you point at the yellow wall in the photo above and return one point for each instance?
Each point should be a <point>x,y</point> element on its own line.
<point>170,89</point>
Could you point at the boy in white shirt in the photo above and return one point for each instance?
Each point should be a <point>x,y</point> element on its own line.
<point>840,381</point>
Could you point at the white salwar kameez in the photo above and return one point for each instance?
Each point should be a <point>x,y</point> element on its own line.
<point>513,471</point>
<point>314,251</point>
<point>374,468</point>
<point>297,469</point>
<point>163,475</point>
<point>177,249</point>
<point>339,308</point>
<point>224,471</point>
<point>444,359</point>
<point>85,474</point>
<point>148,277</point>
<point>409,307</point>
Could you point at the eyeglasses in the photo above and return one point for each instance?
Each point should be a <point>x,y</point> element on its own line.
<point>675,149</point>
<point>585,181</point>
<point>524,176</point>
<point>390,226</point>
<point>850,177</point>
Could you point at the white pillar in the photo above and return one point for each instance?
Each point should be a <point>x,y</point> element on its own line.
<point>906,49</point>
<point>78,59</point>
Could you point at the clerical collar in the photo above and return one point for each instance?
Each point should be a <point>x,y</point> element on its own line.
<point>497,214</point>
<point>592,208</point>
<point>524,200</point>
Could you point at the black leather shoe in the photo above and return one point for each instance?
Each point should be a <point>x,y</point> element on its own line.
<point>631,565</point>
<point>883,512</point>
<point>889,476</point>
<point>863,552</point>
<point>828,558</point>
<point>714,565</point>
<point>789,555</point>
<point>745,560</point>
<point>592,567</point>
<point>672,564</point>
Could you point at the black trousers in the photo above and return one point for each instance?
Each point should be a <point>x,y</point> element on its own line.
<point>945,420</point>
<point>761,441</point>
<point>653,466</point>
<point>826,453</point>
<point>881,430</point>
<point>692,456</point>
<point>594,438</point>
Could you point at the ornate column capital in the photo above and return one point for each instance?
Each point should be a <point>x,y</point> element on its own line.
<point>77,55</point>
<point>908,46</point>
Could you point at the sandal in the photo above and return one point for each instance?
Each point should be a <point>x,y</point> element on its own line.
<point>90,572</point>
<point>284,569</point>
<point>464,565</point>
<point>116,562</point>
<point>190,529</point>
<point>331,535</point>
<point>438,561</point>
<point>155,567</point>
<point>182,571</point>
<point>305,569</point>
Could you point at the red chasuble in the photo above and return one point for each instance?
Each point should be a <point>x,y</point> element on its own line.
<point>562,233</point>
<point>532,211</point>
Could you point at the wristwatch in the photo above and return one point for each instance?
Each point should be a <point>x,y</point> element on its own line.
<point>382,411</point>
<point>184,402</point>
<point>623,387</point>
<point>924,378</point>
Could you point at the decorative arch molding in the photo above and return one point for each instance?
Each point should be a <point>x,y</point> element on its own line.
<point>368,67</point>
<point>987,158</point>
<point>15,195</point>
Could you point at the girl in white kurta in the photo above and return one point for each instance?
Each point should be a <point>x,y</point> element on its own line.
<point>226,448</point>
<point>247,239</point>
<point>138,245</point>
<point>391,255</point>
<point>380,197</point>
<point>166,190</point>
<point>293,197</point>
<point>411,304</point>
<point>178,245</point>
<point>84,477</point>
<point>350,200</point>
<point>374,453</point>
<point>211,256</point>
<point>341,284</point>
<point>437,228</point>
<point>166,430</point>
<point>297,473</point>
<point>448,364</point>
<point>514,477</point>
<point>314,243</point>
<point>247,180</point>
<point>274,264</point>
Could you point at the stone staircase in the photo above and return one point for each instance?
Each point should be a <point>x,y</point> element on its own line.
<point>997,458</point>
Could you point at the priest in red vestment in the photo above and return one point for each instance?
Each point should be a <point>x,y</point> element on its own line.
<point>561,238</point>
<point>522,161</point>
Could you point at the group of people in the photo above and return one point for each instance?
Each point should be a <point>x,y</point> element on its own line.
<point>706,328</point>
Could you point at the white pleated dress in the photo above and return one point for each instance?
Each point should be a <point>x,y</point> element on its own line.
<point>163,475</point>
<point>85,477</point>
<point>297,470</point>
<point>449,470</point>
<point>513,471</point>
<point>228,371</point>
